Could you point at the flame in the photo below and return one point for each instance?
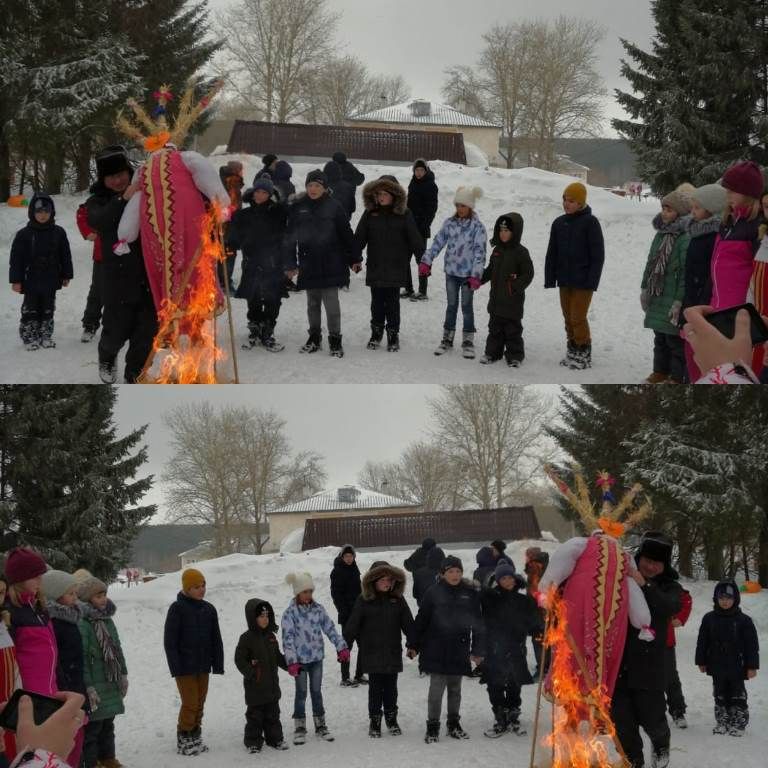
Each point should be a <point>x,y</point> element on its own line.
<point>186,330</point>
<point>582,727</point>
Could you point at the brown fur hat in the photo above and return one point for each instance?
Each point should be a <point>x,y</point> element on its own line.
<point>377,571</point>
<point>394,189</point>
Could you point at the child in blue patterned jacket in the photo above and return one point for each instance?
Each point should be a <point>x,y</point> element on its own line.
<point>464,238</point>
<point>304,622</point>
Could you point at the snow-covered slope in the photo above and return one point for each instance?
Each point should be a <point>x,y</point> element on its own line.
<point>621,348</point>
<point>146,733</point>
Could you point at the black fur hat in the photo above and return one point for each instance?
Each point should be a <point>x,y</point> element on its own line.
<point>112,159</point>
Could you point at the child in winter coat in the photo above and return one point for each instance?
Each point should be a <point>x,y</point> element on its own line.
<point>194,649</point>
<point>464,238</point>
<point>320,248</point>
<point>9,674</point>
<point>41,264</point>
<point>728,651</point>
<point>422,203</point>
<point>258,656</point>
<point>379,618</point>
<point>707,205</point>
<point>388,231</point>
<point>662,289</point>
<point>448,634</point>
<point>94,304</point>
<point>510,615</point>
<point>345,588</point>
<point>675,699</point>
<point>258,231</point>
<point>104,673</point>
<point>303,623</point>
<point>574,264</point>
<point>510,272</point>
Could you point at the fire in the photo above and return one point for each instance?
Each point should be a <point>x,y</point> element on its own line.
<point>186,337</point>
<point>582,728</point>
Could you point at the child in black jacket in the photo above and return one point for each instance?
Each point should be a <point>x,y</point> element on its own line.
<point>258,656</point>
<point>41,264</point>
<point>728,651</point>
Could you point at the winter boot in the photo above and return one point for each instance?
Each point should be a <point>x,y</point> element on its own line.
<point>581,358</point>
<point>88,335</point>
<point>468,345</point>
<point>111,762</point>
<point>513,721</point>
<point>422,294</point>
<point>30,334</point>
<point>268,339</point>
<point>254,749</point>
<point>361,679</point>
<point>737,721</point>
<point>377,334</point>
<point>374,729</point>
<point>660,759</point>
<point>347,683</point>
<point>680,721</point>
<point>657,378</point>
<point>390,718</point>
<point>393,341</point>
<point>488,360</point>
<point>499,727</point>
<point>455,731</point>
<point>513,362</point>
<point>406,294</point>
<point>314,342</point>
<point>254,335</point>
<point>433,732</point>
<point>185,744</point>
<point>108,372</point>
<point>334,345</point>
<point>566,361</point>
<point>46,334</point>
<point>197,735</point>
<point>300,730</point>
<point>721,720</point>
<point>280,746</point>
<point>321,729</point>
<point>446,343</point>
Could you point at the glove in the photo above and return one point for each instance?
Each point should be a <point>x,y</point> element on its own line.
<point>674,312</point>
<point>425,270</point>
<point>343,656</point>
<point>647,634</point>
<point>644,300</point>
<point>473,283</point>
<point>294,669</point>
<point>93,698</point>
<point>123,685</point>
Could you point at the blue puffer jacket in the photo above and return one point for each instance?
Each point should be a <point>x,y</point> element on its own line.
<point>465,243</point>
<point>303,627</point>
<point>576,252</point>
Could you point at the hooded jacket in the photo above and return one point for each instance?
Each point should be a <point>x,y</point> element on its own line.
<point>281,178</point>
<point>40,256</point>
<point>576,252</point>
<point>343,191</point>
<point>422,201</point>
<point>345,585</point>
<point>258,656</point>
<point>418,557</point>
<point>429,573</point>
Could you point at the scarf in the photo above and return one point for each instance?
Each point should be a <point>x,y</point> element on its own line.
<point>660,260</point>
<point>69,613</point>
<point>705,227</point>
<point>109,650</point>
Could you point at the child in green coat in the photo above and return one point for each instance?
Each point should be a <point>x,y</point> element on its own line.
<point>663,288</point>
<point>105,673</point>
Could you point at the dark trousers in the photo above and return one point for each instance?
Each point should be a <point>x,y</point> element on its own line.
<point>37,316</point>
<point>228,264</point>
<point>422,280</point>
<point>99,743</point>
<point>385,308</point>
<point>505,339</point>
<point>3,760</point>
<point>264,305</point>
<point>633,709</point>
<point>730,702</point>
<point>382,693</point>
<point>345,664</point>
<point>134,322</point>
<point>669,355</point>
<point>262,723</point>
<point>675,698</point>
<point>505,696</point>
<point>94,303</point>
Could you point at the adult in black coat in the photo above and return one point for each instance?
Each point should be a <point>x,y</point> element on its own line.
<point>258,657</point>
<point>192,638</point>
<point>428,575</point>
<point>41,264</point>
<point>487,559</point>
<point>129,310</point>
<point>389,233</point>
<point>281,177</point>
<point>639,697</point>
<point>728,651</point>
<point>349,172</point>
<point>418,557</point>
<point>268,164</point>
<point>345,588</point>
<point>69,644</point>
<point>342,190</point>
<point>379,618</point>
<point>422,203</point>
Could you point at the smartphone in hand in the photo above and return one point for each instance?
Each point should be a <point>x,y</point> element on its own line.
<point>42,707</point>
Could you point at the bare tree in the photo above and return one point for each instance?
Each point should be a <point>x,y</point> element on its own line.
<point>383,91</point>
<point>334,91</point>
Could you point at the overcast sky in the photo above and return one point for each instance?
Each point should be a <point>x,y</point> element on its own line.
<point>420,38</point>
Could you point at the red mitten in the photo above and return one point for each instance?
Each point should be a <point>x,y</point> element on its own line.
<point>294,669</point>
<point>425,270</point>
<point>474,283</point>
<point>343,656</point>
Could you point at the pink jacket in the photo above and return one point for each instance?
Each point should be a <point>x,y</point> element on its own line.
<point>732,259</point>
<point>36,651</point>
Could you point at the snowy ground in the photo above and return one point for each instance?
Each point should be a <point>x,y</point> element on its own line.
<point>621,348</point>
<point>146,733</point>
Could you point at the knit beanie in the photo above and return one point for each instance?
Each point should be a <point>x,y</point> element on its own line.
<point>265,184</point>
<point>22,564</point>
<point>678,202</point>
<point>300,581</point>
<point>744,178</point>
<point>420,164</point>
<point>577,192</point>
<point>711,197</point>
<point>451,562</point>
<point>81,574</point>
<point>89,588</point>
<point>191,578</point>
<point>503,569</point>
<point>467,196</point>
<point>268,159</point>
<point>316,176</point>
<point>56,583</point>
<point>499,545</point>
<point>339,157</point>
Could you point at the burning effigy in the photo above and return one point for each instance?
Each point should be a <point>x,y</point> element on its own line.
<point>586,628</point>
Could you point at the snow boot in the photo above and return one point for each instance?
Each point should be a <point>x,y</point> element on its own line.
<point>30,335</point>
<point>268,339</point>
<point>374,729</point>
<point>108,372</point>
<point>300,730</point>
<point>581,358</point>
<point>321,729</point>
<point>334,345</point>
<point>488,360</point>
<point>88,335</point>
<point>185,744</point>
<point>680,721</point>
<point>46,335</point>
<point>254,749</point>
<point>390,718</point>
<point>433,732</point>
<point>468,345</point>
<point>254,335</point>
<point>280,746</point>
<point>721,720</point>
<point>406,294</point>
<point>499,727</point>
<point>197,735</point>
<point>513,722</point>
<point>660,759</point>
<point>737,721</point>
<point>656,378</point>
<point>377,334</point>
<point>566,361</point>
<point>513,362</point>
<point>347,683</point>
<point>446,343</point>
<point>393,341</point>
<point>455,731</point>
<point>314,342</point>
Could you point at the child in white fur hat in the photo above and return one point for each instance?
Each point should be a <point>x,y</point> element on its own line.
<point>303,624</point>
<point>464,238</point>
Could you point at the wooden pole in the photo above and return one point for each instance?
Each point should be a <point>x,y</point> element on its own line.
<point>229,307</point>
<point>542,666</point>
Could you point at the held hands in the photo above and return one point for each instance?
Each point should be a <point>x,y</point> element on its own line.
<point>130,190</point>
<point>16,287</point>
<point>638,577</point>
<point>677,623</point>
<point>294,669</point>
<point>425,270</point>
<point>751,673</point>
<point>291,273</point>
<point>358,267</point>
<point>476,660</point>
<point>93,698</point>
<point>65,283</point>
<point>411,653</point>
<point>473,283</point>
<point>702,668</point>
<point>674,312</point>
<point>343,656</point>
<point>92,236</point>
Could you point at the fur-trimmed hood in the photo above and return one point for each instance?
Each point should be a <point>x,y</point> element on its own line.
<point>398,193</point>
<point>69,613</point>
<point>377,571</point>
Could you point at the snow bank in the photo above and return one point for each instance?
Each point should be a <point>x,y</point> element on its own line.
<point>476,158</point>
<point>293,541</point>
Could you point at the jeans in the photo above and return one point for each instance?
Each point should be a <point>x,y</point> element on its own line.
<point>382,692</point>
<point>312,672</point>
<point>330,298</point>
<point>385,307</point>
<point>454,286</point>
<point>437,684</point>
